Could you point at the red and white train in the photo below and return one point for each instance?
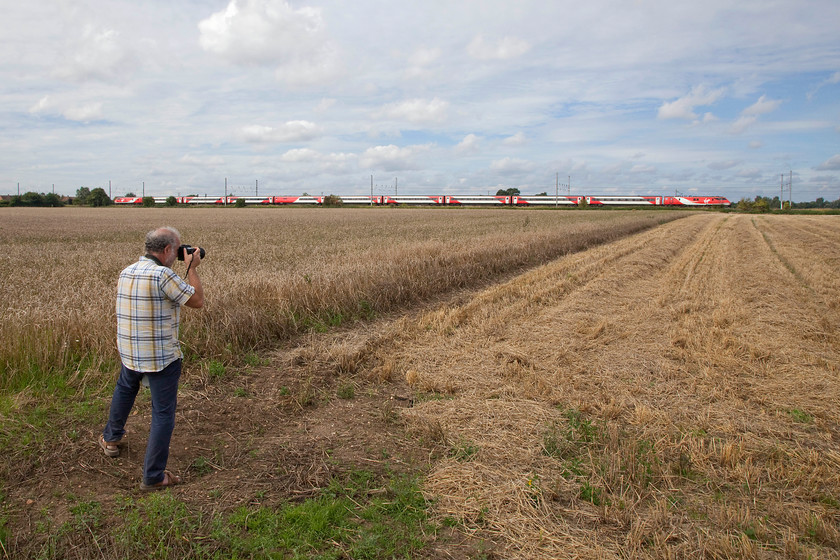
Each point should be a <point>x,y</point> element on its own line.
<point>449,200</point>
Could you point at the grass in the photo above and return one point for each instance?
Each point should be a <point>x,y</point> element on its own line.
<point>359,515</point>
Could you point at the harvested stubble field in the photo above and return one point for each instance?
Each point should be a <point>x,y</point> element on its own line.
<point>669,392</point>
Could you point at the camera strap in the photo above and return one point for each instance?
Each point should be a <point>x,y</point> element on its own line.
<point>153,258</point>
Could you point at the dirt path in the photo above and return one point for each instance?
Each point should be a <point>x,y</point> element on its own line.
<point>640,399</point>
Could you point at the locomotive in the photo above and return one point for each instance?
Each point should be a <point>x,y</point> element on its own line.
<point>447,200</point>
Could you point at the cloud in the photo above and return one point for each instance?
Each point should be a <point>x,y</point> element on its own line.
<point>750,115</point>
<point>202,161</point>
<point>504,49</point>
<point>729,164</point>
<point>292,131</point>
<point>639,169</point>
<point>742,124</point>
<point>420,60</point>
<point>762,106</point>
<point>390,158</point>
<point>468,145</point>
<point>751,173</point>
<point>84,113</point>
<point>755,144</point>
<point>417,111</point>
<point>516,140</point>
<point>509,166</point>
<point>832,163</point>
<point>97,54</point>
<point>683,108</point>
<point>79,112</point>
<point>328,163</point>
<point>325,105</point>
<point>272,33</point>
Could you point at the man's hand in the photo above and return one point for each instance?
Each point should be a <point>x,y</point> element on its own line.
<point>192,260</point>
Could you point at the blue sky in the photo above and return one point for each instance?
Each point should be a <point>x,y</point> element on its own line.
<point>623,96</point>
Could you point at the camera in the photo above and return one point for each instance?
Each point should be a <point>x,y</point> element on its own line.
<point>188,249</point>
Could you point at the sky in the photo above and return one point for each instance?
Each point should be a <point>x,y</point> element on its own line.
<point>421,97</point>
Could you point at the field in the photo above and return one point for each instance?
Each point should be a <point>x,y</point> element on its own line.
<point>436,384</point>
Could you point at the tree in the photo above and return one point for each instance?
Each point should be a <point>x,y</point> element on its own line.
<point>148,201</point>
<point>82,194</point>
<point>240,203</point>
<point>333,200</point>
<point>542,194</point>
<point>171,201</point>
<point>53,200</point>
<point>583,203</point>
<point>98,197</point>
<point>513,191</point>
<point>27,199</point>
<point>130,195</point>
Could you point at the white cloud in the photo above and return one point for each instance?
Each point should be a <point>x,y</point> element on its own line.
<point>325,105</point>
<point>503,49</point>
<point>202,161</point>
<point>84,113</point>
<point>508,165</point>
<point>750,115</point>
<point>468,145</point>
<point>329,163</point>
<point>762,106</point>
<point>728,164</point>
<point>750,173</point>
<point>683,108</point>
<point>272,33</point>
<point>73,111</point>
<point>417,111</point>
<point>517,139</point>
<point>832,163</point>
<point>639,169</point>
<point>390,157</point>
<point>742,124</point>
<point>97,54</point>
<point>755,144</point>
<point>292,131</point>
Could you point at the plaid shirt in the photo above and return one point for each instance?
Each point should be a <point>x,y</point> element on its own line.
<point>149,299</point>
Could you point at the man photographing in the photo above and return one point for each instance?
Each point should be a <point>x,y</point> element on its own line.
<point>149,299</point>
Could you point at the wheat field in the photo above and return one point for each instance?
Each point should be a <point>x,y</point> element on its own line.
<point>269,272</point>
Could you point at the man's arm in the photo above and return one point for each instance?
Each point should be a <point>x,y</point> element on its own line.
<point>197,299</point>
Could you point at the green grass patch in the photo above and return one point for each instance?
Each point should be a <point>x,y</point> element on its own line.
<point>352,518</point>
<point>801,416</point>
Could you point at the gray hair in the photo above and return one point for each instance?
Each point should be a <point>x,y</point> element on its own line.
<point>159,239</point>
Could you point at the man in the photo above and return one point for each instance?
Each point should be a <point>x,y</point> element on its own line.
<point>149,300</point>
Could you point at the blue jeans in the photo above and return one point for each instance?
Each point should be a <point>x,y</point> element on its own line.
<point>164,388</point>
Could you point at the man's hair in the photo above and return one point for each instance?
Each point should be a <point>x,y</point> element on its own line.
<point>159,239</point>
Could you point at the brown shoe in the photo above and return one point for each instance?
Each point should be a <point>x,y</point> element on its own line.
<point>111,448</point>
<point>169,479</point>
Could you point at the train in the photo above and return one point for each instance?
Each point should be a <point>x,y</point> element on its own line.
<point>446,200</point>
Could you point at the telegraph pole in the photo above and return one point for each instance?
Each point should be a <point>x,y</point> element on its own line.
<point>371,190</point>
<point>782,193</point>
<point>257,188</point>
<point>225,202</point>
